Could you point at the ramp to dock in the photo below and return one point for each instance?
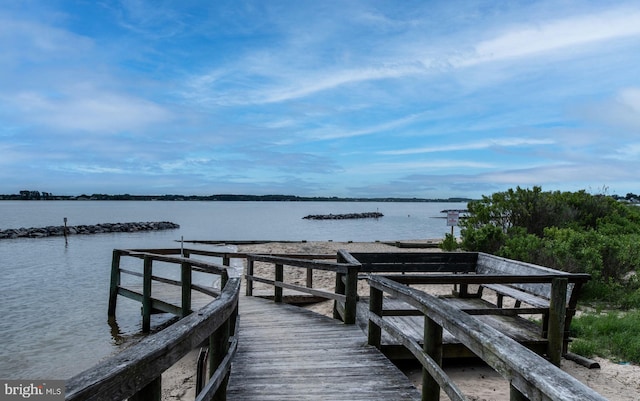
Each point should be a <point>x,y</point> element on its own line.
<point>290,353</point>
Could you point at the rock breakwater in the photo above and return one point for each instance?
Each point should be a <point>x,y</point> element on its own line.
<point>51,231</point>
<point>369,215</point>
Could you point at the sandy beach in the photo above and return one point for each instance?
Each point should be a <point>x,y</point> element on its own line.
<point>614,381</point>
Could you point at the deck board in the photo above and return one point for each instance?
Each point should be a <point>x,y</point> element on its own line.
<point>289,353</point>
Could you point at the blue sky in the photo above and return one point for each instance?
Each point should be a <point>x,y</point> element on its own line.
<point>319,98</point>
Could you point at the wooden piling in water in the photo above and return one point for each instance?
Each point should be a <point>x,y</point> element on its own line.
<point>115,283</point>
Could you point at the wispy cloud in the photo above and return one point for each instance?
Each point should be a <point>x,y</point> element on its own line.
<point>99,111</point>
<point>478,145</point>
<point>547,36</point>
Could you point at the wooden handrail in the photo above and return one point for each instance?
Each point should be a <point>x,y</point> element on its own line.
<point>135,368</point>
<point>530,375</point>
<point>485,278</point>
<point>208,267</point>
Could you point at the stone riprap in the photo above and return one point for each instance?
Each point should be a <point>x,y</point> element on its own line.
<point>87,229</point>
<point>369,215</point>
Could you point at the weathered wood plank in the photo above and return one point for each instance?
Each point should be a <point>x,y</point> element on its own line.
<point>522,330</point>
<point>170,294</point>
<point>289,353</point>
<point>528,373</point>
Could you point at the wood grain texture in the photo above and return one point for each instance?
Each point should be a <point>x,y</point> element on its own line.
<point>289,353</point>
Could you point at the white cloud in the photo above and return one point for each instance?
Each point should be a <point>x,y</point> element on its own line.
<point>26,40</point>
<point>549,36</point>
<point>630,97</point>
<point>484,144</point>
<point>338,133</point>
<point>630,152</point>
<point>92,111</point>
<point>420,166</point>
<point>621,111</point>
<point>91,169</point>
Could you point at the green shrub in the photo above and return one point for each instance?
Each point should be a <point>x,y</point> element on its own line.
<point>571,231</point>
<point>487,239</point>
<point>450,243</point>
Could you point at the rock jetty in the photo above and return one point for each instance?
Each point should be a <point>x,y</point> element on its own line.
<point>369,215</point>
<point>87,229</point>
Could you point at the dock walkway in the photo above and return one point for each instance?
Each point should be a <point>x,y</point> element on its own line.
<point>289,353</point>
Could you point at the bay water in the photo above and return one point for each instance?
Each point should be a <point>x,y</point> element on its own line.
<point>54,293</point>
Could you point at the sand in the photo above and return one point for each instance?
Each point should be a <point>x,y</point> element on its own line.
<point>614,381</point>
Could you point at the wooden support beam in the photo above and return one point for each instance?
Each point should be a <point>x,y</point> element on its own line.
<point>433,348</point>
<point>150,392</point>
<point>218,347</point>
<point>185,277</point>
<point>249,277</point>
<point>146,294</point>
<point>351,292</point>
<point>115,283</point>
<point>557,314</point>
<point>309,278</point>
<point>515,394</point>
<point>340,289</point>
<point>277,294</point>
<point>375,308</point>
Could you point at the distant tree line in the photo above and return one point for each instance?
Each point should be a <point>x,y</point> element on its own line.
<point>37,195</point>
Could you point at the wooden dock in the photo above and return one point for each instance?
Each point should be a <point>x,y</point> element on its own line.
<point>289,353</point>
<point>275,351</point>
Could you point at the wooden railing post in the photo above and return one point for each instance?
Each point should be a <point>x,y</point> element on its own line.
<point>557,314</point>
<point>185,277</point>
<point>277,295</point>
<point>340,289</point>
<point>351,293</point>
<point>115,283</point>
<point>150,392</point>
<point>218,347</point>
<point>146,294</point>
<point>309,278</point>
<point>375,308</point>
<point>224,277</point>
<point>515,394</point>
<point>432,347</point>
<point>249,282</point>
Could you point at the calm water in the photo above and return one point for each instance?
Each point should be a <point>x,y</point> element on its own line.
<point>54,296</point>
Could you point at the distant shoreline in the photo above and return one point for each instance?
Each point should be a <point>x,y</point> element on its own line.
<point>45,196</point>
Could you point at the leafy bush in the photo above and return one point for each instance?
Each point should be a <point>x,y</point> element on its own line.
<point>449,243</point>
<point>570,231</point>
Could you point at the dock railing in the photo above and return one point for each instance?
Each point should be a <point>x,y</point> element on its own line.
<point>135,373</point>
<point>531,376</point>
<point>177,256</point>
<point>344,266</point>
